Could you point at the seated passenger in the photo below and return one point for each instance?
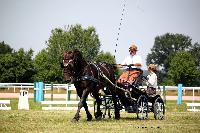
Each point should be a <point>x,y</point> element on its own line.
<point>151,80</point>
<point>133,71</point>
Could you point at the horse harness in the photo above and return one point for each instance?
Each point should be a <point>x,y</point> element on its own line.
<point>91,77</point>
<point>85,76</point>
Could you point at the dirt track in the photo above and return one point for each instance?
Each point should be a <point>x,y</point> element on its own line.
<point>16,95</point>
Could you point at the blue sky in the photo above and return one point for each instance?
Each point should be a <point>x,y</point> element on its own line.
<point>28,23</point>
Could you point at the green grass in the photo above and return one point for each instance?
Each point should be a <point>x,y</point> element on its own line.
<point>177,119</point>
<point>59,121</point>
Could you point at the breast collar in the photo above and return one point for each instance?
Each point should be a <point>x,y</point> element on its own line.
<point>86,76</point>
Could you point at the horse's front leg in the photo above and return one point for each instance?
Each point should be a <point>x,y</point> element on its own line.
<point>81,103</point>
<point>89,116</point>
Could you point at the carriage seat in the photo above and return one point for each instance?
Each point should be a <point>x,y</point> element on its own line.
<point>131,77</point>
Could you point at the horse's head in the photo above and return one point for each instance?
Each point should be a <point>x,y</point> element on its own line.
<point>68,66</point>
<point>71,64</point>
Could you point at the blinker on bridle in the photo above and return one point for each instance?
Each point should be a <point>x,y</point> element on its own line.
<point>66,64</point>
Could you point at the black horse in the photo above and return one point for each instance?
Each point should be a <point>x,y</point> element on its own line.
<point>89,78</point>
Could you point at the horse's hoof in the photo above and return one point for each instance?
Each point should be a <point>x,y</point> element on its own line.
<point>89,118</point>
<point>98,116</point>
<point>117,116</point>
<point>74,120</point>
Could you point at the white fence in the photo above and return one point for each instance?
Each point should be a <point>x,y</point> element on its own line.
<point>70,87</point>
<point>28,86</point>
<point>14,86</point>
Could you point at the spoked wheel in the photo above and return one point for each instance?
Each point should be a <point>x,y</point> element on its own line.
<point>159,109</point>
<point>142,107</point>
<point>110,108</point>
<point>107,107</point>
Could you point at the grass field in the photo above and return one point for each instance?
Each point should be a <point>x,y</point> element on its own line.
<point>177,119</point>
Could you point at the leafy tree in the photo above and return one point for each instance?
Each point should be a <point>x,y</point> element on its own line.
<point>74,37</point>
<point>105,57</point>
<point>5,48</point>
<point>43,67</point>
<point>165,47</point>
<point>7,69</point>
<point>195,52</point>
<point>17,67</point>
<point>24,66</point>
<point>40,63</point>
<point>183,69</point>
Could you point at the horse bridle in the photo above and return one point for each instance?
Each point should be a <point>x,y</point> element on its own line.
<point>66,64</point>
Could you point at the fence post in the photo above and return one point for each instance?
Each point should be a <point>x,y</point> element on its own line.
<point>69,92</point>
<point>179,94</point>
<point>34,91</point>
<point>193,95</point>
<point>164,94</point>
<point>51,91</point>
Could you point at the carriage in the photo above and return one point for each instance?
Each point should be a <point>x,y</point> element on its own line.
<point>138,101</point>
<point>89,78</point>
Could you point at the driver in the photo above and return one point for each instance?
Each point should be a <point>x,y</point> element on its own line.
<point>133,71</point>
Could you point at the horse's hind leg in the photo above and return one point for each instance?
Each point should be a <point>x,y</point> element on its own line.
<point>117,111</point>
<point>98,114</point>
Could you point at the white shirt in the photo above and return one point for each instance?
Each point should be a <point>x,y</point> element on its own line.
<point>132,60</point>
<point>152,80</point>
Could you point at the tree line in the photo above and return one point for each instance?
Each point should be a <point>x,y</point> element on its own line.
<point>20,66</point>
<point>177,58</point>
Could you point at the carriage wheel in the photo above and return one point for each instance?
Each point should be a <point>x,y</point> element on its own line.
<point>142,107</point>
<point>110,107</point>
<point>159,109</point>
<point>107,107</point>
